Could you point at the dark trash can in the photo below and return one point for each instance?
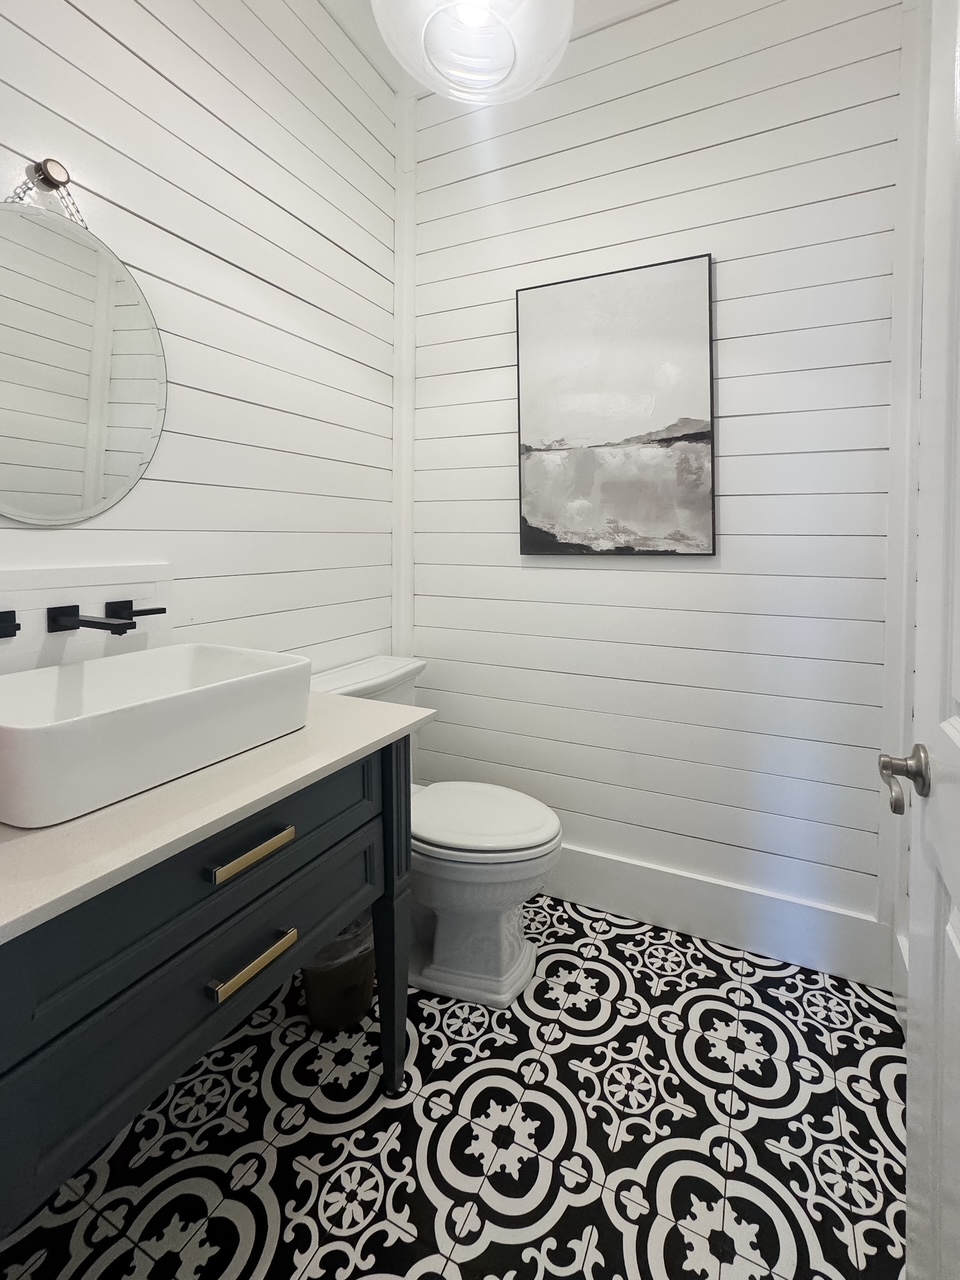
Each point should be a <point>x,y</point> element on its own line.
<point>338,980</point>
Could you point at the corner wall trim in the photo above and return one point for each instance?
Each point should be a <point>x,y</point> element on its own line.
<point>817,937</point>
<point>404,375</point>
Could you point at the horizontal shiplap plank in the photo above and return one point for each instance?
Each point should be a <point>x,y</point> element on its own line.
<point>638,179</point>
<point>727,201</point>
<point>181,313</point>
<point>195,364</point>
<point>219,115</point>
<point>350,57</point>
<point>200,554</point>
<point>825,347</point>
<point>713,592</point>
<point>256,248</point>
<point>465,323</point>
<point>112,120</point>
<point>822,680</point>
<point>792,40</point>
<point>291,629</point>
<point>756,633</point>
<point>794,329</point>
<point>278,43</point>
<point>829,848</point>
<point>157,504</point>
<point>791,878</point>
<point>601,163</point>
<point>792,434</point>
<point>328,654</point>
<point>756,233</point>
<point>759,800</point>
<point>304,30</point>
<point>791,556</point>
<point>617,36</point>
<point>850,387</point>
<point>816,514</point>
<point>810,721</point>
<point>225,417</point>
<point>221,462</point>
<point>787,473</point>
<point>616,729</point>
<point>198,600</point>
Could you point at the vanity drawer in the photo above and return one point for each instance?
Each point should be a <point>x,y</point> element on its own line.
<point>58,973</point>
<point>60,1107</point>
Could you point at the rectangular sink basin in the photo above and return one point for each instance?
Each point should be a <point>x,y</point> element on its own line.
<point>75,738</point>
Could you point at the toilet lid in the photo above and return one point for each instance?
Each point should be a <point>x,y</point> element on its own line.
<point>478,817</point>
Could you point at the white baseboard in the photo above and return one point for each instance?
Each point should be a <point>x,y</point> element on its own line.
<point>818,937</point>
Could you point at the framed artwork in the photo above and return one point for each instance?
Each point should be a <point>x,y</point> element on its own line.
<point>616,413</point>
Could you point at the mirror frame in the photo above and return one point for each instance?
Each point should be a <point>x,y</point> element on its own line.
<point>42,213</point>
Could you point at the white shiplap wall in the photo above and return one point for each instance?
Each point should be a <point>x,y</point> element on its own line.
<point>240,159</point>
<point>706,729</point>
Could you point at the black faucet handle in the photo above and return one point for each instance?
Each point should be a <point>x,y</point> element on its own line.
<point>9,626</point>
<point>124,611</point>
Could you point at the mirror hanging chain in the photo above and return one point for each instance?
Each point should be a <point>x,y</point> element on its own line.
<point>49,175</point>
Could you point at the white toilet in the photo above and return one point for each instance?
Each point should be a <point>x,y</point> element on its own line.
<point>478,853</point>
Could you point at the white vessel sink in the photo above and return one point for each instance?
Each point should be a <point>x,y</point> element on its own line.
<point>78,737</point>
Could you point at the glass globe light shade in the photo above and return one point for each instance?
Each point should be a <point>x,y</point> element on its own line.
<point>481,51</point>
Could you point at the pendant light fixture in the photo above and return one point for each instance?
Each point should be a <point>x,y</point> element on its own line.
<point>481,51</point>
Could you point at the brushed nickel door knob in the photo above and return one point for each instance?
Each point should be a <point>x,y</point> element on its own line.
<point>915,766</point>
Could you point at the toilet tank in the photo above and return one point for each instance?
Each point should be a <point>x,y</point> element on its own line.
<point>385,679</point>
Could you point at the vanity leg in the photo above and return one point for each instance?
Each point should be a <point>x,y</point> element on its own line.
<point>391,924</point>
<point>391,914</point>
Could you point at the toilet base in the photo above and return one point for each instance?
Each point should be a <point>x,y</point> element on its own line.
<point>496,992</point>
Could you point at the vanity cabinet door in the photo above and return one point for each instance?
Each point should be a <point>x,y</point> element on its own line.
<point>61,1106</point>
<point>60,972</point>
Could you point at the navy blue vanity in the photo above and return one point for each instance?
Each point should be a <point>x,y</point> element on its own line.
<point>106,1002</point>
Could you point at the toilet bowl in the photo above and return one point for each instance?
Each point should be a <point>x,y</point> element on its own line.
<point>478,853</point>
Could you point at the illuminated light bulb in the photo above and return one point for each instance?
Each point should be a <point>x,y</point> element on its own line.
<point>474,15</point>
<point>480,51</point>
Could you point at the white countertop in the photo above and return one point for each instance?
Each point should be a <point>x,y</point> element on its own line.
<point>48,870</point>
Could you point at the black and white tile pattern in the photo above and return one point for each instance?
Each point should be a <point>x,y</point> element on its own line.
<point>653,1107</point>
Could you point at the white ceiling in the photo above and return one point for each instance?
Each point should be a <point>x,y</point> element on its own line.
<point>356,18</point>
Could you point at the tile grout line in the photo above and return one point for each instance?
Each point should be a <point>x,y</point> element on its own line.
<point>555,1019</point>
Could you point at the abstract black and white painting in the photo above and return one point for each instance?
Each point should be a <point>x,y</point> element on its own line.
<point>616,413</point>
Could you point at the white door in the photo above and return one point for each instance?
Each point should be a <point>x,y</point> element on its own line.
<point>933,1018</point>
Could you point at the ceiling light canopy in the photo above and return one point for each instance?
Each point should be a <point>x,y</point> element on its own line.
<point>481,51</point>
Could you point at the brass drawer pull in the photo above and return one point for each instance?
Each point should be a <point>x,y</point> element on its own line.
<point>221,991</point>
<point>220,875</point>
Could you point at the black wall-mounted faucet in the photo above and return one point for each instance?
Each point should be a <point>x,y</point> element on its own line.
<point>67,617</point>
<point>123,611</point>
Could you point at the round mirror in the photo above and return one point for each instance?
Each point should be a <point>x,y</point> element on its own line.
<point>82,375</point>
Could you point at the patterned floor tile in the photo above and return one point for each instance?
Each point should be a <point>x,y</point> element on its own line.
<point>652,1107</point>
<point>802,1200</point>
<point>141,1181</point>
<point>668,1211</point>
<point>837,1018</point>
<point>67,1238</point>
<point>451,1034</point>
<point>549,920</point>
<point>633,1093</point>
<point>523,1198</point>
<point>664,963</point>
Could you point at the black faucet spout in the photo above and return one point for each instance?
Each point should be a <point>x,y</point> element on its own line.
<point>67,617</point>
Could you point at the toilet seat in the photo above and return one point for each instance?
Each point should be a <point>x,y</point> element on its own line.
<point>482,856</point>
<point>481,823</point>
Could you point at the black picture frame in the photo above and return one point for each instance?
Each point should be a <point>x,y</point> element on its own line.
<point>536,541</point>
